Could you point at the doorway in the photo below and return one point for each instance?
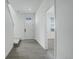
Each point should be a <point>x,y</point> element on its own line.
<point>51,34</point>
<point>29,26</point>
<point>38,22</point>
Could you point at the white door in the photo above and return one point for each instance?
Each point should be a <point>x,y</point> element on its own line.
<point>29,28</point>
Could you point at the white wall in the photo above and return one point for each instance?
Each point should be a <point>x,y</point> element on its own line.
<point>9,26</point>
<point>19,24</point>
<point>50,13</point>
<point>64,28</point>
<point>41,22</point>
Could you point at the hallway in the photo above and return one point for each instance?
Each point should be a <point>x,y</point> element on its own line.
<point>49,22</point>
<point>28,49</point>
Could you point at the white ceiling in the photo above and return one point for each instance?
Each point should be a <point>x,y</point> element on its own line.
<point>25,6</point>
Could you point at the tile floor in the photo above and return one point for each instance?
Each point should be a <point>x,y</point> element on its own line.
<point>29,49</point>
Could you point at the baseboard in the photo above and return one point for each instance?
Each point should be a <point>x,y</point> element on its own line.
<point>9,52</point>
<point>41,44</point>
<point>28,39</point>
<point>14,46</point>
<point>17,44</point>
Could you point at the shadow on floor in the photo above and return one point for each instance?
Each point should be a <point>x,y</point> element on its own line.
<point>28,49</point>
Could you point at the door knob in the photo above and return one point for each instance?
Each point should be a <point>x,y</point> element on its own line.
<point>25,30</point>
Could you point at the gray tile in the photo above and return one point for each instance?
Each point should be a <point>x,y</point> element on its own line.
<point>28,49</point>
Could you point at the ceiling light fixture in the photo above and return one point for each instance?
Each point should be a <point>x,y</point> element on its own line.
<point>28,9</point>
